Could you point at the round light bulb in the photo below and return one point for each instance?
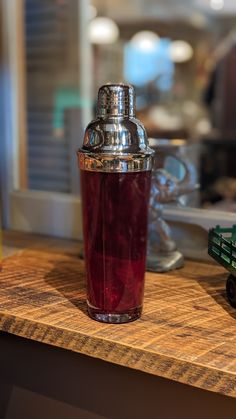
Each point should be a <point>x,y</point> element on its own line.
<point>103,30</point>
<point>180,51</point>
<point>145,40</point>
<point>217,4</point>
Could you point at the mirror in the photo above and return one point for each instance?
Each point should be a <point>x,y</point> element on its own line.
<point>181,57</point>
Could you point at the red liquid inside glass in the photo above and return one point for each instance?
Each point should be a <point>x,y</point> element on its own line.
<point>115,211</point>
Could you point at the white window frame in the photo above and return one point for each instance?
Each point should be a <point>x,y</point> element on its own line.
<point>59,214</point>
<point>16,199</point>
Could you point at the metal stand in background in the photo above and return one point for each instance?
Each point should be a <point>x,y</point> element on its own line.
<point>162,252</point>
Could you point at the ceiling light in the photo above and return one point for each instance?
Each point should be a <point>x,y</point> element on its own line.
<point>145,41</point>
<point>180,51</point>
<point>103,30</point>
<point>217,4</point>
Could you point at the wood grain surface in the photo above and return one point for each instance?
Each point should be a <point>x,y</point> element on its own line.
<point>187,332</point>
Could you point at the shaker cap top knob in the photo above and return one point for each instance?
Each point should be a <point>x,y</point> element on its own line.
<point>116,100</point>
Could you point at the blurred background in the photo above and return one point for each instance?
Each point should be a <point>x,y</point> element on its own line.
<point>179,54</point>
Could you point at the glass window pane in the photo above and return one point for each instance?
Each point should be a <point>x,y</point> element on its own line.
<point>54,100</point>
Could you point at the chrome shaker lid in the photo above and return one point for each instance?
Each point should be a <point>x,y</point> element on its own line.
<point>116,100</point>
<point>115,141</point>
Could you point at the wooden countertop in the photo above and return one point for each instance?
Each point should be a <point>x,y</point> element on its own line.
<point>187,332</point>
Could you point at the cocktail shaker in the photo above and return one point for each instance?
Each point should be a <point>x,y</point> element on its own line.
<point>115,163</point>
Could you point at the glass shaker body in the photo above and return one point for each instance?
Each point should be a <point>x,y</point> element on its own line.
<point>115,163</point>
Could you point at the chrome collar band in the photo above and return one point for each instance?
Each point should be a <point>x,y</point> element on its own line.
<point>114,163</point>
